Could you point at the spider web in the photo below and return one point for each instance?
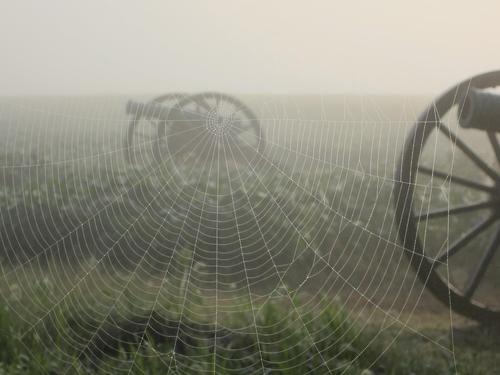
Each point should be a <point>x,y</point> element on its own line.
<point>221,257</point>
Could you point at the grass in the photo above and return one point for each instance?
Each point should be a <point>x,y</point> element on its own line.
<point>292,338</point>
<point>56,319</point>
<point>281,348</point>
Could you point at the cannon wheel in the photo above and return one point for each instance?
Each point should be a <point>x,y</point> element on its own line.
<point>461,298</point>
<point>223,116</point>
<point>141,141</point>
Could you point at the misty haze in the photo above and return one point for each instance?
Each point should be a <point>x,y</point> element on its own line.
<point>249,187</point>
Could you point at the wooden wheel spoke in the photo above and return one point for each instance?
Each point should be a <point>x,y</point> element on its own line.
<point>424,142</point>
<point>468,151</point>
<point>236,142</point>
<point>239,127</point>
<point>494,144</point>
<point>465,239</point>
<point>456,210</point>
<point>456,179</point>
<point>144,136</point>
<point>238,108</point>
<point>204,104</point>
<point>481,268</point>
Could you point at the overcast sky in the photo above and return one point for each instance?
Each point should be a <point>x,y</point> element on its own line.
<point>269,46</point>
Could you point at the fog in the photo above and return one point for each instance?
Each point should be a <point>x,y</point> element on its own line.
<point>98,47</point>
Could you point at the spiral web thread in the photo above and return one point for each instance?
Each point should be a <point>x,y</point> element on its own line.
<point>230,261</point>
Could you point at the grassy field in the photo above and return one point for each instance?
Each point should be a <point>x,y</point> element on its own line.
<point>291,338</point>
<point>292,266</point>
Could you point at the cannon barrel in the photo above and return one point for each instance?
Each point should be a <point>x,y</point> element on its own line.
<point>480,110</point>
<point>159,111</point>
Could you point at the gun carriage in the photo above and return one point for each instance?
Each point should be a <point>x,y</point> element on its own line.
<point>178,127</point>
<point>472,197</point>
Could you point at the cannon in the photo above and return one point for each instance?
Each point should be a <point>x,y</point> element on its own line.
<point>189,128</point>
<point>480,110</point>
<point>431,201</point>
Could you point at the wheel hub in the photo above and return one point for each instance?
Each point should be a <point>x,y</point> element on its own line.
<point>217,125</point>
